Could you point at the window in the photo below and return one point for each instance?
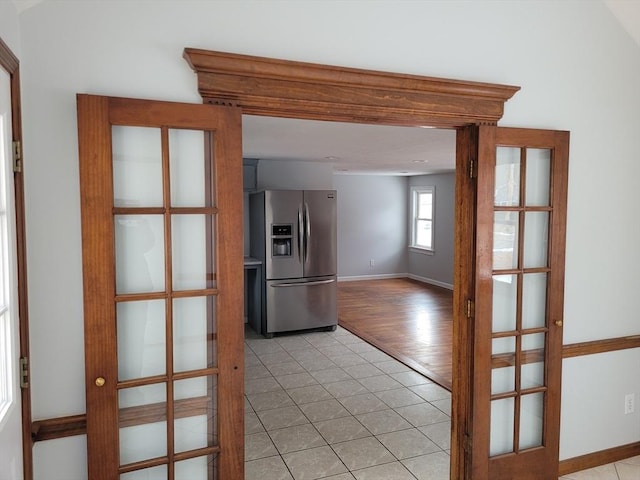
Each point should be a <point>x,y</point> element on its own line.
<point>7,267</point>
<point>422,203</point>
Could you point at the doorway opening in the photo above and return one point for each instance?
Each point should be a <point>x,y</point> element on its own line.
<point>347,393</point>
<point>373,168</point>
<point>270,87</point>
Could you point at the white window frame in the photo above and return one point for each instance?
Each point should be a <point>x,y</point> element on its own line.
<point>414,195</point>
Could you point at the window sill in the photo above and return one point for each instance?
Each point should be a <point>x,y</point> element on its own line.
<point>422,251</point>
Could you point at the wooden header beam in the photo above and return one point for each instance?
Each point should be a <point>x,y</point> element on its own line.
<point>282,88</point>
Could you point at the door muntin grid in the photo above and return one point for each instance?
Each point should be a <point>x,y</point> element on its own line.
<point>522,212</point>
<point>165,237</point>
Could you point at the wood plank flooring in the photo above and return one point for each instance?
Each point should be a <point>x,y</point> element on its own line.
<point>409,320</point>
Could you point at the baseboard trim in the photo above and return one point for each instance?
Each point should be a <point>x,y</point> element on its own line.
<point>596,459</point>
<point>385,276</point>
<point>430,281</point>
<point>382,276</point>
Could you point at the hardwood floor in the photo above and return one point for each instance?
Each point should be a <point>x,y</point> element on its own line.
<point>409,320</point>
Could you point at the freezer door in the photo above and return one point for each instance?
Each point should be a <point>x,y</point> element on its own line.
<point>301,304</point>
<point>283,221</point>
<point>320,255</point>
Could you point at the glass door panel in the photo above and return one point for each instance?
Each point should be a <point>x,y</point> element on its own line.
<point>142,417</point>
<point>194,413</point>
<point>536,232</point>
<point>532,375</point>
<point>538,181</point>
<point>188,168</point>
<point>141,339</point>
<point>192,252</point>
<point>140,253</point>
<point>507,176</point>
<point>137,166</point>
<point>505,240</point>
<point>502,426</point>
<point>505,289</point>
<point>503,377</point>
<point>531,420</point>
<point>194,333</point>
<point>195,468</point>
<point>503,380</point>
<point>154,473</point>
<point>534,300</point>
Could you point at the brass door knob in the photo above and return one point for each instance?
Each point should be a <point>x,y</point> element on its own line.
<point>100,381</point>
<point>558,323</point>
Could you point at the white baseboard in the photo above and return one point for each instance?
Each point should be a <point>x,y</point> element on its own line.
<point>418,278</point>
<point>430,281</point>
<point>372,277</point>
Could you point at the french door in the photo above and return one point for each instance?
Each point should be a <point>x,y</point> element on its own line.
<point>161,192</point>
<point>519,279</point>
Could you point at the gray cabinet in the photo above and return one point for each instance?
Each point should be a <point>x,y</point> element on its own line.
<point>249,174</point>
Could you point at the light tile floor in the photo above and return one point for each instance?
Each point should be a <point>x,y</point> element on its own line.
<point>327,405</point>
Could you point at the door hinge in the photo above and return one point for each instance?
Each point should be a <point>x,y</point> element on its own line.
<point>472,168</point>
<point>24,372</point>
<point>17,157</point>
<point>470,308</point>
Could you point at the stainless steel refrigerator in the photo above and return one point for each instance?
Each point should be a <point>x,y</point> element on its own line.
<point>293,233</point>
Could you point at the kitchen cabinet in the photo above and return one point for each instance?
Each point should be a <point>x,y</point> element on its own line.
<point>249,174</point>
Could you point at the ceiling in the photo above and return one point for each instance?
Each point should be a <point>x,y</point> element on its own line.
<point>370,149</point>
<point>350,148</point>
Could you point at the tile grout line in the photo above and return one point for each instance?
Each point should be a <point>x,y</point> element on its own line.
<point>338,399</point>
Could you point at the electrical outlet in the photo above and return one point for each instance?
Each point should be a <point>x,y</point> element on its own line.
<point>372,262</point>
<point>629,403</point>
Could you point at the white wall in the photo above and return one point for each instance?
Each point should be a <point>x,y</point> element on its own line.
<point>372,225</point>
<point>437,267</point>
<point>578,71</point>
<point>9,27</point>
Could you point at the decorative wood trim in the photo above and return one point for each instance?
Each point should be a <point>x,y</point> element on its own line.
<point>600,346</point>
<point>61,427</point>
<point>76,425</point>
<point>52,428</point>
<point>283,88</point>
<point>595,459</point>
<point>7,59</point>
<point>464,281</point>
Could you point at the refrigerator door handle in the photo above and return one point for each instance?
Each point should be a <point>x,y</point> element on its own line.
<point>307,231</point>
<point>300,234</point>
<point>303,284</point>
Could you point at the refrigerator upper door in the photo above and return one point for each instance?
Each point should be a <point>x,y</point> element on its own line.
<point>283,220</point>
<point>320,225</point>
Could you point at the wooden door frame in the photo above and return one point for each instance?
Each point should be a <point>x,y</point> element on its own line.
<point>281,88</point>
<point>10,63</point>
